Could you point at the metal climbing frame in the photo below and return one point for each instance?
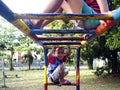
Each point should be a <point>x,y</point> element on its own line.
<point>15,19</point>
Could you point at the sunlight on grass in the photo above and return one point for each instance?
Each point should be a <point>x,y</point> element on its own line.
<point>33,80</point>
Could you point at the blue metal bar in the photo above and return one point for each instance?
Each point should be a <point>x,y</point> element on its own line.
<point>61,31</point>
<point>45,56</point>
<point>6,13</point>
<point>78,57</point>
<point>116,15</point>
<point>78,69</point>
<point>59,43</point>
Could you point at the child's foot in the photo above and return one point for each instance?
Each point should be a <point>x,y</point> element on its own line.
<point>64,82</point>
<point>77,27</point>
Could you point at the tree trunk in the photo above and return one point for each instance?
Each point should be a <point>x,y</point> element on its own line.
<point>29,65</point>
<point>90,64</point>
<point>11,63</point>
<point>115,68</point>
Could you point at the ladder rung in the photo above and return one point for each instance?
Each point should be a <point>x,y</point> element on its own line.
<point>61,38</point>
<point>52,84</point>
<point>61,31</point>
<point>61,16</point>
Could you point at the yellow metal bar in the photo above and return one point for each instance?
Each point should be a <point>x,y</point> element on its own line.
<point>45,75</point>
<point>65,16</point>
<point>22,26</point>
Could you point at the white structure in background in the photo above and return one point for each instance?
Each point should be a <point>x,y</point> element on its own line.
<point>99,62</point>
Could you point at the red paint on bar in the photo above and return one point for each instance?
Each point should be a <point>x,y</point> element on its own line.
<point>34,37</point>
<point>45,86</point>
<point>102,27</point>
<point>52,84</point>
<point>77,76</point>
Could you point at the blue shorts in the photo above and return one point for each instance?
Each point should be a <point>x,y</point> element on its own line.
<point>88,10</point>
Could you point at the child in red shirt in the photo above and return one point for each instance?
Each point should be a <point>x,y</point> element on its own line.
<point>56,71</point>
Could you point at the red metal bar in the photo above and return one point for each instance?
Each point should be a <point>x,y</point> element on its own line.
<point>102,28</point>
<point>45,86</point>
<point>77,76</point>
<point>52,84</point>
<point>34,37</point>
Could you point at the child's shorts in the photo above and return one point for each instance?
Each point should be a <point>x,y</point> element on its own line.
<point>55,76</point>
<point>88,24</point>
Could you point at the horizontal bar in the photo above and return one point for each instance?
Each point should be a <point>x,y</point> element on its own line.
<point>61,16</point>
<point>102,28</point>
<point>61,31</point>
<point>61,38</point>
<point>52,84</point>
<point>6,13</point>
<point>59,43</point>
<point>71,46</point>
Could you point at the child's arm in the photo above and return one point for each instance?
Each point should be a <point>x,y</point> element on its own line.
<point>51,52</point>
<point>103,4</point>
<point>68,51</point>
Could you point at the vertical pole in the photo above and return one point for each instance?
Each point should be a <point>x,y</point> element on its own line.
<point>4,81</point>
<point>77,69</point>
<point>45,68</point>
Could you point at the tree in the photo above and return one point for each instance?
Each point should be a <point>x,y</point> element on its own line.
<point>8,35</point>
<point>28,58</point>
<point>107,45</point>
<point>113,40</point>
<point>15,40</point>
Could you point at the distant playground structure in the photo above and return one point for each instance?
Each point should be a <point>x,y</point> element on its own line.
<point>76,42</point>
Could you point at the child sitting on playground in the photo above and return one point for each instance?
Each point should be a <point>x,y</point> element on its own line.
<point>56,71</point>
<point>72,6</point>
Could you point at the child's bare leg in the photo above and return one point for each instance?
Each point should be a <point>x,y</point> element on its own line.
<point>45,22</point>
<point>61,73</point>
<point>76,5</point>
<point>71,7</point>
<point>51,7</point>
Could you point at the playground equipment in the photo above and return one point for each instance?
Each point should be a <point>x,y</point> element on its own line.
<point>3,73</point>
<point>11,75</point>
<point>78,42</point>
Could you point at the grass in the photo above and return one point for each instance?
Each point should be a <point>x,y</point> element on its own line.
<point>33,80</point>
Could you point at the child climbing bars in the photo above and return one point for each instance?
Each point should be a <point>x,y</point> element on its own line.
<point>72,6</point>
<point>56,71</point>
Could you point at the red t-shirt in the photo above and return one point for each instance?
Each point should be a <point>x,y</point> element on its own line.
<point>93,4</point>
<point>53,59</point>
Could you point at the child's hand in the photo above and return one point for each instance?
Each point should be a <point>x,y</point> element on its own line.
<point>54,48</point>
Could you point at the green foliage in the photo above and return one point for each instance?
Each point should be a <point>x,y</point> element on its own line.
<point>113,4</point>
<point>112,36</point>
<point>95,48</point>
<point>27,58</point>
<point>113,39</point>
